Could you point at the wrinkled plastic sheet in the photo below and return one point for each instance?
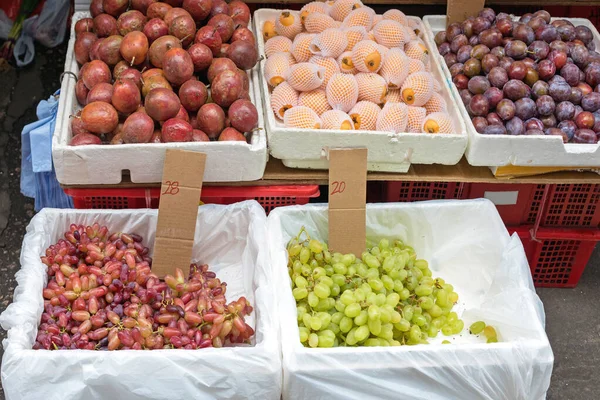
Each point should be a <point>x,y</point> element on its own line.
<point>465,243</point>
<point>231,239</point>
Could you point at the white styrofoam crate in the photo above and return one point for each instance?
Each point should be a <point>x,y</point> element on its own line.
<point>389,152</point>
<point>501,150</point>
<point>465,243</point>
<point>103,164</point>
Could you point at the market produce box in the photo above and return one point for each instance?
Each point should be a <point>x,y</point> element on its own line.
<point>554,121</point>
<point>307,74</point>
<point>234,160</point>
<point>230,239</point>
<point>461,243</point>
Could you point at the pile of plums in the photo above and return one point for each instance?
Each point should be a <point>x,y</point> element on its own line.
<point>533,76</point>
<point>145,72</point>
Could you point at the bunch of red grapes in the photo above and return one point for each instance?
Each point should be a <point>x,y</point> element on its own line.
<point>533,76</point>
<point>102,295</point>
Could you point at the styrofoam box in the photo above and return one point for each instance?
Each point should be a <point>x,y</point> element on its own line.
<point>466,244</point>
<point>501,150</point>
<point>230,239</point>
<point>389,152</point>
<point>103,164</point>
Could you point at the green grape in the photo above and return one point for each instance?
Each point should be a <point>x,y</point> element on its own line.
<point>438,322</point>
<point>490,332</point>
<point>394,273</point>
<point>304,332</point>
<point>417,310</point>
<point>446,311</point>
<point>325,304</point>
<point>423,290</point>
<point>395,343</point>
<point>351,338</point>
<point>374,326</point>
<point>448,287</point>
<point>419,320</point>
<point>351,270</point>
<point>415,333</point>
<point>336,257</point>
<point>402,274</point>
<point>372,261</point>
<point>315,246</point>
<point>403,325</point>
<point>411,283</point>
<point>297,267</point>
<point>408,312</point>
<point>477,327</point>
<point>304,255</point>
<point>361,333</point>
<point>360,294</point>
<point>326,254</point>
<point>371,298</point>
<point>346,324</point>
<point>445,342</point>
<point>362,318</point>
<point>374,312</point>
<point>335,328</point>
<point>325,341</point>
<point>353,310</point>
<point>301,282</point>
<point>372,273</point>
<point>348,297</point>
<point>319,272</point>
<point>300,310</point>
<point>315,324</point>
<point>307,319</point>
<point>458,326</point>
<point>337,317</point>
<point>388,282</point>
<point>395,317</point>
<point>417,273</point>
<point>384,244</point>
<point>386,316</point>
<point>447,330</point>
<point>427,317</point>
<point>365,289</point>
<point>299,293</point>
<point>441,298</point>
<point>426,302</point>
<point>453,297</point>
<point>380,299</point>
<point>404,294</point>
<point>322,290</point>
<point>435,311</point>
<point>340,268</point>
<point>294,248</point>
<point>361,269</point>
<point>306,270</point>
<point>348,259</point>
<point>492,340</point>
<point>338,279</point>
<point>386,334</point>
<point>427,280</point>
<point>313,340</point>
<point>340,306</point>
<point>335,290</point>
<point>375,251</point>
<point>421,264</point>
<point>452,317</point>
<point>313,299</point>
<point>439,282</point>
<point>392,299</point>
<point>325,318</point>
<point>432,331</point>
<point>313,264</point>
<point>319,257</point>
<point>326,280</point>
<point>372,342</point>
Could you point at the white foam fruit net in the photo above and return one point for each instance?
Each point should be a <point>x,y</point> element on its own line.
<point>301,117</point>
<point>439,122</point>
<point>415,118</point>
<point>305,76</point>
<point>342,91</point>
<point>315,100</point>
<point>337,119</point>
<point>283,98</point>
<point>417,88</point>
<point>330,43</point>
<point>277,45</point>
<point>364,115</point>
<point>393,118</point>
<point>371,87</point>
<point>395,68</point>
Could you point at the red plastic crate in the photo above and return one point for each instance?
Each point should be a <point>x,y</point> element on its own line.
<point>572,206</point>
<point>268,196</point>
<point>562,206</point>
<point>558,257</point>
<point>418,191</point>
<point>517,204</point>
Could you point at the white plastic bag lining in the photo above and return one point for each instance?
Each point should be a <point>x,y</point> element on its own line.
<point>231,239</point>
<point>465,243</point>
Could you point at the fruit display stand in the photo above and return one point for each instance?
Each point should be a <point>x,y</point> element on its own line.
<point>517,152</point>
<point>228,238</point>
<point>104,164</point>
<point>305,148</point>
<point>489,281</point>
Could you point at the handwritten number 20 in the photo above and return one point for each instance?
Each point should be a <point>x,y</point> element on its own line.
<point>338,187</point>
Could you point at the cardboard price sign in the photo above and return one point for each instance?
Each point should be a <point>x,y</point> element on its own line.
<point>347,200</point>
<point>459,10</point>
<point>183,173</point>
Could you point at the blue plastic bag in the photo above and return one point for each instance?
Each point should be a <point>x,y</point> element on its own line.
<point>38,178</point>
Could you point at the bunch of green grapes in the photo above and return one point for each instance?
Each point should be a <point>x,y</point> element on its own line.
<point>387,297</point>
